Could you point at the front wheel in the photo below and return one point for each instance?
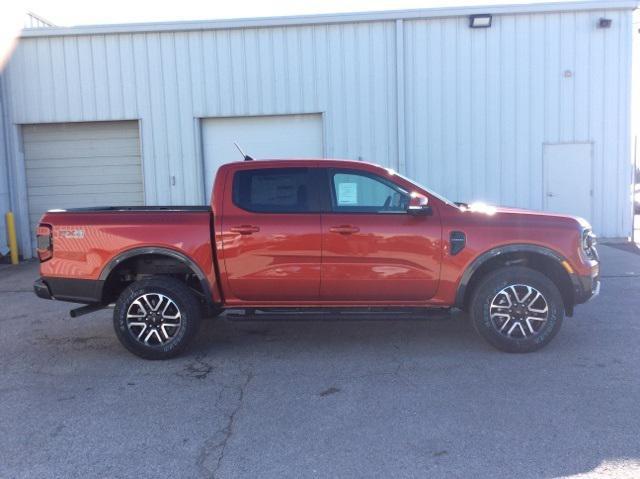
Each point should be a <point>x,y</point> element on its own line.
<point>517,309</point>
<point>156,318</point>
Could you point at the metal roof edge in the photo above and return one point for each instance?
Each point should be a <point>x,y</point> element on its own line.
<point>330,18</point>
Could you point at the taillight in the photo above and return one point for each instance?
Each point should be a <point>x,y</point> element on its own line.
<point>45,242</point>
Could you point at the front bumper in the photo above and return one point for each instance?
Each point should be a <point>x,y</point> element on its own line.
<point>586,288</point>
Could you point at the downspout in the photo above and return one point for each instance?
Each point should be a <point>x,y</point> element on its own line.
<point>5,184</point>
<point>16,175</point>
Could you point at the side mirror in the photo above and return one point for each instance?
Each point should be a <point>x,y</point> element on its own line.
<point>419,205</point>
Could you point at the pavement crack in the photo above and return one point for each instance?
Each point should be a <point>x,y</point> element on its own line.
<point>199,368</point>
<point>216,445</point>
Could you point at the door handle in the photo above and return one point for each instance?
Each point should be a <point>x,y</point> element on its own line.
<point>245,229</point>
<point>550,195</point>
<point>344,229</point>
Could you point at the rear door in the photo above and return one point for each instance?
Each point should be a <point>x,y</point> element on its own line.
<point>271,235</point>
<point>373,250</point>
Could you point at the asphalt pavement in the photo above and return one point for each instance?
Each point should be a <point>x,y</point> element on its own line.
<point>327,399</point>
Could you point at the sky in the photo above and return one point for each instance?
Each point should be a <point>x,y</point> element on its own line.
<point>88,12</point>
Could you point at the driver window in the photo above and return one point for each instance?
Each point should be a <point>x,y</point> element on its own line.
<point>365,193</point>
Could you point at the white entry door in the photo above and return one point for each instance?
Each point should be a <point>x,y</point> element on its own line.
<point>568,179</point>
<point>261,137</point>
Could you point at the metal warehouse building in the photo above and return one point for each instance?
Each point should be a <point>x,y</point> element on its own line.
<point>533,111</point>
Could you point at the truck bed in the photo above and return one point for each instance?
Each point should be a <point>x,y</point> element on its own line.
<point>90,242</point>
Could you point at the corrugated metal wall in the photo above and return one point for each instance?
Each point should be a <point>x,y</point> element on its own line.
<point>474,106</point>
<point>481,103</point>
<point>168,79</point>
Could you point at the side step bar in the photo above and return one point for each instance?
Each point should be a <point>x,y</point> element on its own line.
<point>336,315</point>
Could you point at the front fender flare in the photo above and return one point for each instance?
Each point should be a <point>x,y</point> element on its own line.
<point>501,250</point>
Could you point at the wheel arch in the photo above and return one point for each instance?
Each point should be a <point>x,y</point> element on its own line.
<point>540,258</point>
<point>124,258</point>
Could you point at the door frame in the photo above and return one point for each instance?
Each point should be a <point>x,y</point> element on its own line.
<point>635,167</point>
<point>545,169</point>
<point>315,176</point>
<point>327,172</point>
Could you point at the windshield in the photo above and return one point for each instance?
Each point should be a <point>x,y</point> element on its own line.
<point>413,182</point>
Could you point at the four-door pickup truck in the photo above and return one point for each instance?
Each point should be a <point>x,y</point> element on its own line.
<point>317,235</point>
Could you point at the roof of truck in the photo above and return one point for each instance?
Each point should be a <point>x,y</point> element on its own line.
<point>285,162</point>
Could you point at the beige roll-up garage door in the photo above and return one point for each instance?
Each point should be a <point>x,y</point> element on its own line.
<point>280,136</point>
<point>72,165</point>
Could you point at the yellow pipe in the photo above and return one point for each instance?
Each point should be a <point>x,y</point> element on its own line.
<point>13,241</point>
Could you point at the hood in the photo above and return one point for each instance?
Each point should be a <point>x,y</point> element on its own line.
<point>521,215</point>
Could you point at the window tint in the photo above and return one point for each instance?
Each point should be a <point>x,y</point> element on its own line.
<point>272,190</point>
<point>358,192</point>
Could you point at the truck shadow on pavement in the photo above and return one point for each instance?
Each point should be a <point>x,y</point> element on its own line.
<point>305,335</point>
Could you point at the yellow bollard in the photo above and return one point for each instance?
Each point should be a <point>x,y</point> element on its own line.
<point>13,241</point>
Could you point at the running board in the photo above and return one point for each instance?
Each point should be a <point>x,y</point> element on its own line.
<point>336,315</point>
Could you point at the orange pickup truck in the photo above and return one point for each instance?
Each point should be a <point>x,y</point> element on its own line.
<point>307,236</point>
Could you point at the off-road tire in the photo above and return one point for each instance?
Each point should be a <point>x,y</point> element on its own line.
<point>184,302</point>
<point>492,287</point>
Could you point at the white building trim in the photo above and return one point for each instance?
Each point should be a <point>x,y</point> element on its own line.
<point>334,18</point>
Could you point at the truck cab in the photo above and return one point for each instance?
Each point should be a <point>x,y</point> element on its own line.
<point>309,233</point>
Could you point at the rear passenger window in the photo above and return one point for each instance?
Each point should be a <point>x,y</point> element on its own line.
<point>272,190</point>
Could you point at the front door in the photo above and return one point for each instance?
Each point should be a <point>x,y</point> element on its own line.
<point>271,236</point>
<point>373,250</point>
<point>568,181</point>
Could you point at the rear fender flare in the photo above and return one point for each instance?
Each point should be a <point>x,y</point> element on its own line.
<point>183,258</point>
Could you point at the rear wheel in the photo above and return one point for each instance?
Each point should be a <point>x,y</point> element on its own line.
<point>156,318</point>
<point>517,309</point>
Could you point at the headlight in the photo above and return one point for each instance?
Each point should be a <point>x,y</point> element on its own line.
<point>589,244</point>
